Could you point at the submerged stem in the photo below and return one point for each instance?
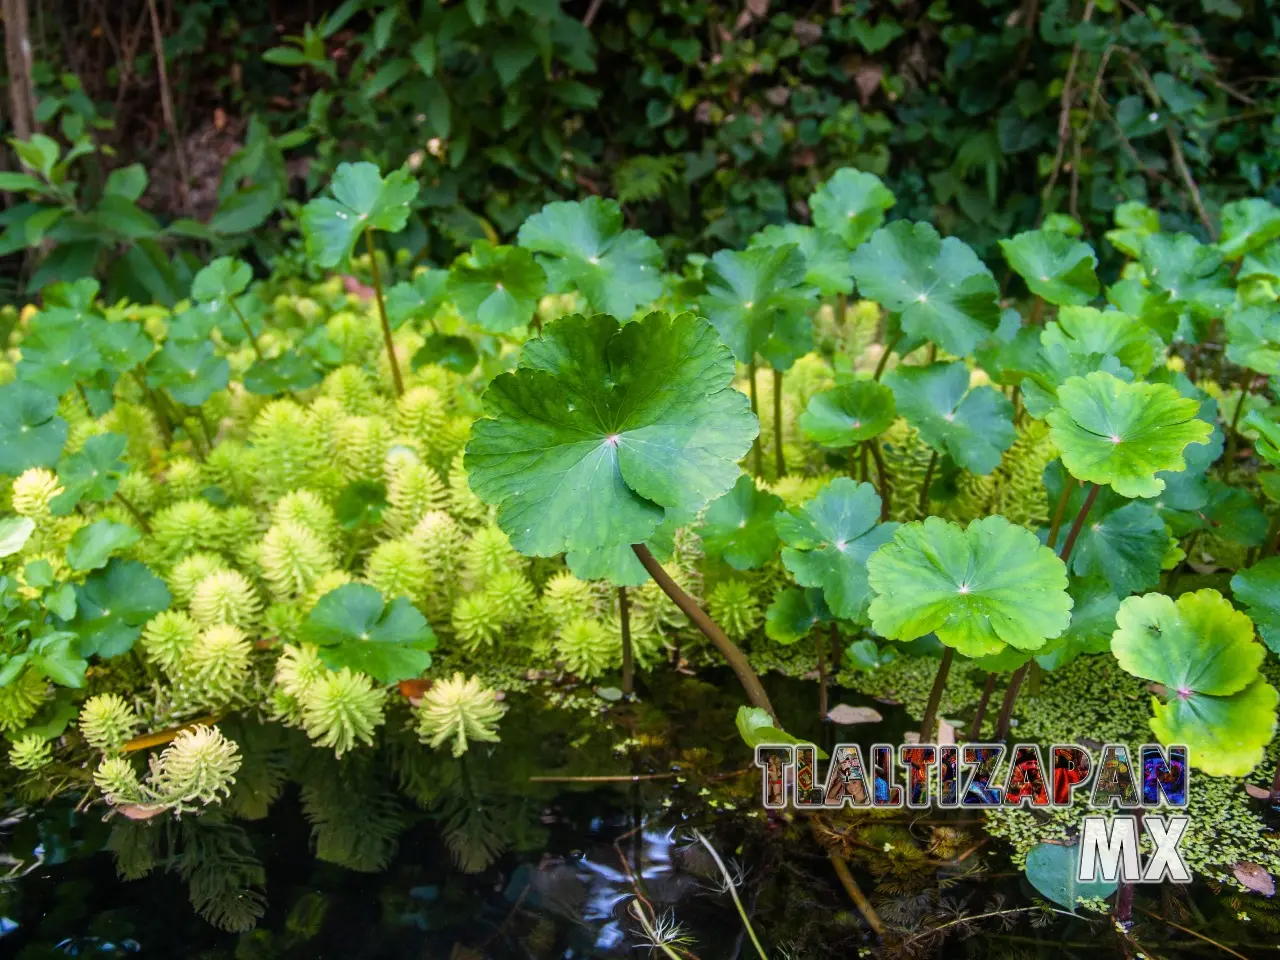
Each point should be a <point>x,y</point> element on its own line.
<point>935,695</point>
<point>728,649</point>
<point>382,313</point>
<point>624,618</point>
<point>733,892</point>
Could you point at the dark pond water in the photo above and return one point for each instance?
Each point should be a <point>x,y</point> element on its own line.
<point>383,856</point>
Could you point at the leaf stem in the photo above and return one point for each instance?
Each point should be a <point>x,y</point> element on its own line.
<point>935,695</point>
<point>728,649</point>
<point>624,618</point>
<point>928,482</point>
<point>823,642</point>
<point>162,418</point>
<point>84,398</point>
<point>863,459</point>
<point>884,357</point>
<point>733,892</point>
<point>881,475</point>
<point>1068,486</point>
<point>975,729</point>
<point>757,456</point>
<point>382,312</point>
<point>1233,437</point>
<point>780,462</point>
<point>1078,524</point>
<point>244,322</point>
<point>137,514</point>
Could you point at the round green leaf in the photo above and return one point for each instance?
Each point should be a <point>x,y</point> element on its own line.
<point>973,426</point>
<point>112,606</point>
<point>1093,620</point>
<point>826,259</point>
<point>223,279</point>
<point>1092,333</point>
<point>121,345</point>
<point>619,565</point>
<point>92,473</point>
<point>450,351</point>
<point>361,199</point>
<point>756,727</point>
<point>940,288</point>
<point>1052,869</point>
<point>418,298</point>
<point>1258,588</point>
<point>828,541</point>
<point>850,205</point>
<point>192,373</point>
<point>31,434</point>
<point>1253,339</point>
<point>793,614</point>
<point>14,534</point>
<point>758,301</point>
<point>738,527</point>
<point>354,628</point>
<point>1055,267</point>
<point>496,288</point>
<point>977,588</point>
<point>290,371</point>
<point>603,428</point>
<point>1123,434</point>
<point>848,414</point>
<point>1225,736</point>
<point>1247,225</point>
<point>56,353</point>
<point>92,546</point>
<point>585,248</point>
<point>1190,272</point>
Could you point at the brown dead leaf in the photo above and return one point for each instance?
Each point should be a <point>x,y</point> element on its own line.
<point>807,32</point>
<point>867,79</point>
<point>139,811</point>
<point>1257,792</point>
<point>1255,878</point>
<point>845,714</point>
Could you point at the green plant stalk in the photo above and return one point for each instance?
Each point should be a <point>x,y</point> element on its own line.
<point>845,876</point>
<point>84,397</point>
<point>248,330</point>
<point>863,452</point>
<point>882,476</point>
<point>134,511</point>
<point>162,418</point>
<point>928,482</point>
<point>1176,573</point>
<point>645,922</point>
<point>757,456</point>
<point>1015,681</point>
<point>822,667</point>
<point>1273,538</point>
<point>884,357</point>
<point>1068,486</point>
<point>935,694</point>
<point>1246,381</point>
<point>738,661</point>
<point>975,729</point>
<point>382,313</point>
<point>733,892</point>
<point>624,620</point>
<point>780,462</point>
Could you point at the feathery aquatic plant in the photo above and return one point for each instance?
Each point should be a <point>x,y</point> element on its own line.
<point>293,558</point>
<point>215,668</point>
<point>107,721</point>
<point>225,596</point>
<point>587,648</point>
<point>20,699</point>
<point>187,574</point>
<point>167,637</point>
<point>33,490</point>
<point>198,768</point>
<point>397,569</point>
<point>30,753</point>
<point>733,605</point>
<point>460,709</point>
<point>341,709</point>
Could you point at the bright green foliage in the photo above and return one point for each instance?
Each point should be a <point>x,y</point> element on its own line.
<point>1258,588</point>
<point>223,279</point>
<point>31,433</point>
<point>938,287</point>
<point>460,709</point>
<point>585,248</point>
<point>1093,619</point>
<point>826,261</point>
<point>1134,223</point>
<point>496,288</point>
<point>979,589</point>
<point>355,628</point>
<point>756,727</point>
<point>738,526</point>
<point>1090,333</point>
<point>1189,271</point>
<point>604,428</point>
<point>972,426</point>
<point>417,298</point>
<point>91,547</point>
<point>1123,434</point>
<point>107,721</point>
<point>1247,225</point>
<point>93,473</point>
<point>191,373</point>
<point>850,205</point>
<point>362,199</point>
<point>758,301</point>
<point>1203,652</point>
<point>1253,338</point>
<point>828,541</point>
<point>1055,267</point>
<point>849,413</point>
<point>341,710</point>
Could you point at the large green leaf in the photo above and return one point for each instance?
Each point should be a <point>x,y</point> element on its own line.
<point>605,427</point>
<point>496,288</point>
<point>850,205</point>
<point>826,260</point>
<point>361,199</point>
<point>1253,338</point>
<point>738,527</point>
<point>1091,333</point>
<point>1123,434</point>
<point>55,352</point>
<point>92,546</point>
<point>973,426</point>
<point>1134,223</point>
<point>1258,588</point>
<point>849,413</point>
<point>585,248</point>
<point>112,606</point>
<point>1247,225</point>
<point>940,288</point>
<point>31,433</point>
<point>828,541</point>
<point>978,588</point>
<point>1202,650</point>
<point>92,473</point>
<point>1052,870</point>
<point>354,627</point>
<point>758,301</point>
<point>1055,267</point>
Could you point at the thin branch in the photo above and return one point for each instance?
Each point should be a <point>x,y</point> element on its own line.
<point>166,103</point>
<point>1064,116</point>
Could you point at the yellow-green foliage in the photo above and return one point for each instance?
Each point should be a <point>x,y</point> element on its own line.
<point>107,721</point>
<point>460,709</point>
